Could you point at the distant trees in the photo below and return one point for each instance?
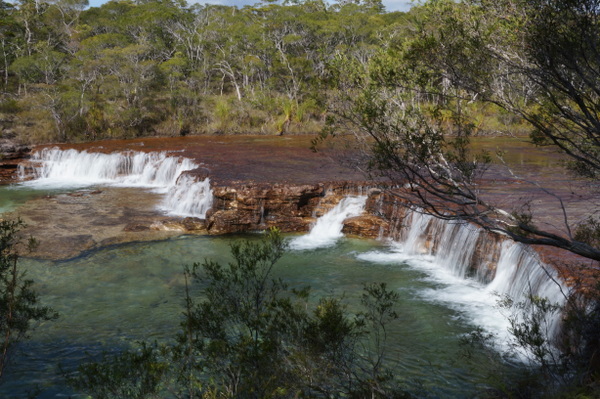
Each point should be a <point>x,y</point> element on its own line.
<point>162,67</point>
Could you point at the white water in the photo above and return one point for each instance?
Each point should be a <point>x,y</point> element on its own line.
<point>182,198</point>
<point>328,228</point>
<point>70,169</point>
<point>446,252</point>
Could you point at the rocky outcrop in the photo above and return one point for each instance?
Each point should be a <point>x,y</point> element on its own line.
<point>11,154</point>
<point>367,226</point>
<point>291,208</point>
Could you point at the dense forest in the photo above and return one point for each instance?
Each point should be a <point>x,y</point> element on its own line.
<point>130,69</point>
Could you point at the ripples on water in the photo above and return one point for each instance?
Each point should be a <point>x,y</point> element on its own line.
<point>117,295</point>
<point>132,292</point>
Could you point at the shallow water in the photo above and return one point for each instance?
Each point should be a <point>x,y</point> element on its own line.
<point>131,292</point>
<point>14,195</point>
<point>113,296</point>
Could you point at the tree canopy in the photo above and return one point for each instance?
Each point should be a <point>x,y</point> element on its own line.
<point>415,106</point>
<point>160,67</point>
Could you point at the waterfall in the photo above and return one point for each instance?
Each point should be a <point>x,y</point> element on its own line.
<point>520,274</point>
<point>450,244</point>
<point>189,197</point>
<point>55,168</point>
<point>328,228</point>
<point>453,245</point>
<point>471,271</point>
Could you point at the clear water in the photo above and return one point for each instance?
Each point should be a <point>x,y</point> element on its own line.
<point>14,195</point>
<point>132,292</point>
<point>116,295</point>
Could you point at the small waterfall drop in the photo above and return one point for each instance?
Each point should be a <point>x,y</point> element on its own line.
<point>328,228</point>
<point>466,277</point>
<point>55,168</point>
<point>71,168</point>
<point>189,197</point>
<point>450,244</point>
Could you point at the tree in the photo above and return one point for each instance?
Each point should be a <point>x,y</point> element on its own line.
<point>410,108</point>
<point>9,36</point>
<point>246,334</point>
<point>19,305</point>
<point>410,105</point>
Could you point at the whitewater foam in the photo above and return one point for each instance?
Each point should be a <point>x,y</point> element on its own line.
<point>446,251</point>
<point>328,228</point>
<point>53,168</point>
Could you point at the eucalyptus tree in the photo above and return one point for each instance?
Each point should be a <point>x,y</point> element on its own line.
<point>10,30</point>
<point>410,106</point>
<point>62,17</point>
<point>412,99</point>
<point>30,16</point>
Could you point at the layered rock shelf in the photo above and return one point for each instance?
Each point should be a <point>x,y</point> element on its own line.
<point>256,182</point>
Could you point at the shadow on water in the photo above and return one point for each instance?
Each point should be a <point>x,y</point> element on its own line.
<point>115,296</point>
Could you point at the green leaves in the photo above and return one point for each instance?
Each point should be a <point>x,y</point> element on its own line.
<point>165,64</point>
<point>134,373</point>
<point>19,305</point>
<point>246,334</point>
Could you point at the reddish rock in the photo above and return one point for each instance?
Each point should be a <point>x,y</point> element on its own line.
<point>368,226</point>
<point>289,207</point>
<point>252,207</point>
<point>486,256</point>
<point>11,154</point>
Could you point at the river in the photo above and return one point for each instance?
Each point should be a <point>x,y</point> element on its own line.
<point>110,296</point>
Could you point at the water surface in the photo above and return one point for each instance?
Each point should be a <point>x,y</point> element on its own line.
<point>117,295</point>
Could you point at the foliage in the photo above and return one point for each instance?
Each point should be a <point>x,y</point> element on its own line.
<point>410,105</point>
<point>246,334</point>
<point>589,232</point>
<point>556,360</point>
<point>19,306</point>
<point>132,374</point>
<point>148,65</point>
<point>410,108</point>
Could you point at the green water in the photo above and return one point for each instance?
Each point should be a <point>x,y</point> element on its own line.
<point>117,295</point>
<point>131,292</point>
<point>14,195</point>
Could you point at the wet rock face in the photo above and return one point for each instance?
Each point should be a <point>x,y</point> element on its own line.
<point>389,210</point>
<point>241,208</point>
<point>367,226</point>
<point>289,207</point>
<point>11,154</point>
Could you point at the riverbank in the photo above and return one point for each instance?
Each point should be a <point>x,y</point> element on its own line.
<point>263,181</point>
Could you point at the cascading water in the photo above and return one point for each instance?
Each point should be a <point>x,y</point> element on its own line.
<point>55,168</point>
<point>448,252</point>
<point>328,228</point>
<point>453,245</point>
<point>182,198</point>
